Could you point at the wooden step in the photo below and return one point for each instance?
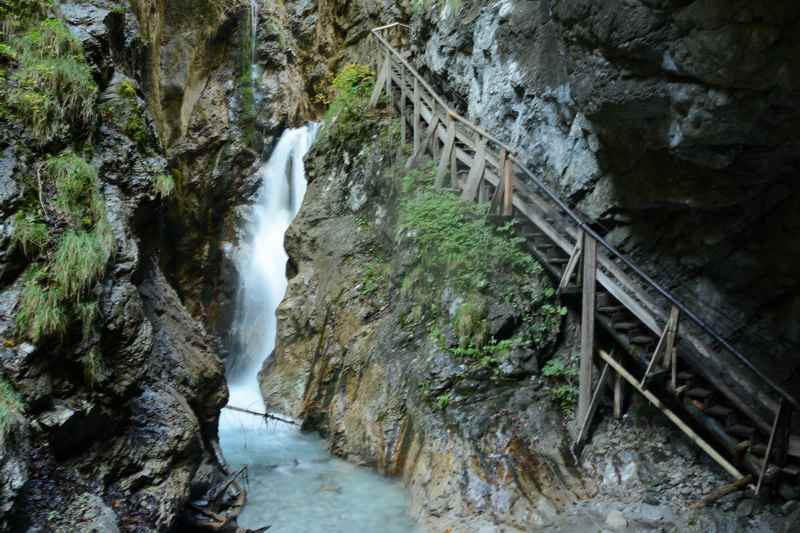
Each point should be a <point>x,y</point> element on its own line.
<point>740,430</point>
<point>794,446</point>
<point>625,326</point>
<point>557,260</point>
<point>641,339</point>
<point>698,392</point>
<point>610,309</point>
<point>685,376</point>
<point>719,411</point>
<point>791,470</point>
<point>758,449</point>
<point>545,246</point>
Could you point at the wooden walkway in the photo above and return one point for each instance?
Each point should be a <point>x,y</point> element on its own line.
<point>735,412</point>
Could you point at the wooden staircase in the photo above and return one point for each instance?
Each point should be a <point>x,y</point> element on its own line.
<point>729,407</point>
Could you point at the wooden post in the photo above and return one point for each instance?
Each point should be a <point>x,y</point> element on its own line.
<point>508,187</point>
<point>389,76</point>
<point>672,335</point>
<point>417,133</point>
<point>587,323</point>
<point>618,396</point>
<point>476,172</point>
<point>444,160</point>
<point>453,169</point>
<point>572,264</point>
<point>430,135</point>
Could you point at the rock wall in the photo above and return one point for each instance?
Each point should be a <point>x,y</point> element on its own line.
<point>114,427</point>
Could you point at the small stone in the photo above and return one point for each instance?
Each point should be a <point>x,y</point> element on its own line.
<point>745,507</point>
<point>616,520</point>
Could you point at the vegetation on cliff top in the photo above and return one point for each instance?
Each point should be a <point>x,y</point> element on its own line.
<point>349,105</point>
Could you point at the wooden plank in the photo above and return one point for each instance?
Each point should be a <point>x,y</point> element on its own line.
<point>380,83</point>
<point>574,259</point>
<point>777,422</point>
<point>403,99</point>
<point>453,170</point>
<point>587,324</point>
<point>584,431</point>
<point>444,160</point>
<point>389,76</point>
<point>694,437</point>
<point>618,395</point>
<point>475,173</point>
<point>417,133</point>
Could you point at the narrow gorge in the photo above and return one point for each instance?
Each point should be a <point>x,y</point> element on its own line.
<point>428,265</point>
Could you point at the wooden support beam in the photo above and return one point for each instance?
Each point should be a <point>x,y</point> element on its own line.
<point>453,169</point>
<point>389,75</point>
<point>779,416</point>
<point>444,160</point>
<point>403,99</point>
<point>584,431</point>
<point>381,82</point>
<point>426,140</point>
<point>733,486</point>
<point>508,183</point>
<point>417,133</point>
<point>694,437</point>
<point>587,324</point>
<point>476,172</point>
<point>572,264</point>
<point>618,395</point>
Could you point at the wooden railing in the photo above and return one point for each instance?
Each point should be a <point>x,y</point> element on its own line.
<point>482,167</point>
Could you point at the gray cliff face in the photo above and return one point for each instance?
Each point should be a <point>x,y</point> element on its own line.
<point>669,123</point>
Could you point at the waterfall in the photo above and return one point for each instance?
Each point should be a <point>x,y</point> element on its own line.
<point>262,260</point>
<point>252,48</point>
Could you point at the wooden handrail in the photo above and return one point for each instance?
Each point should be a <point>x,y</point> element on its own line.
<point>578,221</point>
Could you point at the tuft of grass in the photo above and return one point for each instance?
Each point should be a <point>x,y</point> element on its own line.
<point>79,260</point>
<point>562,387</point>
<point>10,409</point>
<point>94,367</point>
<point>87,312</point>
<point>30,233</point>
<point>40,311</point>
<point>52,89</point>
<point>164,185</point>
<point>76,187</point>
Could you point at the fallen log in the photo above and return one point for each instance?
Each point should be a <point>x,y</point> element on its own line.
<point>262,415</point>
<point>724,490</point>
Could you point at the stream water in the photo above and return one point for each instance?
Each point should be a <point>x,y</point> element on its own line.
<point>295,485</point>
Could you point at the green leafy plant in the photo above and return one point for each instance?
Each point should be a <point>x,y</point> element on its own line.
<point>376,277</point>
<point>345,116</point>
<point>562,387</point>
<point>94,367</point>
<point>443,400</point>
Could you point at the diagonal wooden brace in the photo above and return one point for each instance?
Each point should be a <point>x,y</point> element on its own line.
<point>380,83</point>
<point>572,264</point>
<point>476,172</point>
<point>666,344</point>
<point>426,140</point>
<point>444,160</point>
<point>587,421</point>
<point>778,424</point>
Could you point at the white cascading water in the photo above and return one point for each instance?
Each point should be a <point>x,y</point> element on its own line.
<point>295,485</point>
